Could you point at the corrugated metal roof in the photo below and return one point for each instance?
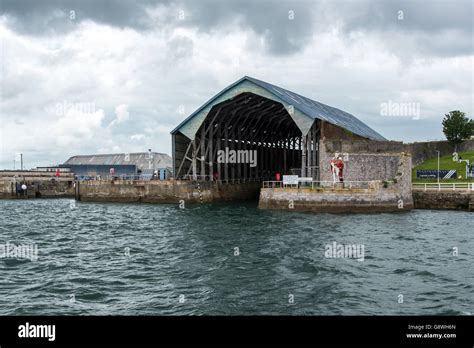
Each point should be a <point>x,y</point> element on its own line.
<point>309,107</point>
<point>140,159</point>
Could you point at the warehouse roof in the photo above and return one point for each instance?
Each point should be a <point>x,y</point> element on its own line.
<point>309,108</point>
<point>140,159</point>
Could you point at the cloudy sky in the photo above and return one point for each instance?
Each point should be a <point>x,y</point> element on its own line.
<point>101,76</point>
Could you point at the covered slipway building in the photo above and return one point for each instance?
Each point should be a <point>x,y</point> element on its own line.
<point>285,128</point>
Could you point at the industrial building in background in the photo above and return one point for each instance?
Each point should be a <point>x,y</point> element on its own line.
<point>143,165</point>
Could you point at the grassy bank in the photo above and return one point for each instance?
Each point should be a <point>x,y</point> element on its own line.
<point>447,163</point>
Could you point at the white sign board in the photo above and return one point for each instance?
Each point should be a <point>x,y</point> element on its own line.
<point>290,179</point>
<point>344,155</point>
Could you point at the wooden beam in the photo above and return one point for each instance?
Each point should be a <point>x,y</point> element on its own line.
<point>218,145</point>
<point>226,169</point>
<point>303,156</point>
<point>203,153</point>
<point>211,154</point>
<point>184,157</point>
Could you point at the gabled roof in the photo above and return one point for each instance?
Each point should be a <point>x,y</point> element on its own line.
<point>140,159</point>
<point>310,108</point>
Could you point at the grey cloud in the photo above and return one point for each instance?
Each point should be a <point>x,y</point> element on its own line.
<point>160,64</point>
<point>439,28</point>
<point>269,19</point>
<point>272,22</point>
<point>53,16</point>
<point>436,28</point>
<point>427,16</point>
<point>180,47</point>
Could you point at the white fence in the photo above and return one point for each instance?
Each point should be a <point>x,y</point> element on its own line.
<point>444,186</point>
<point>221,181</point>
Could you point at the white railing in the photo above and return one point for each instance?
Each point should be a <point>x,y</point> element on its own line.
<point>319,184</point>
<point>238,181</point>
<point>197,177</point>
<point>133,177</point>
<point>455,186</point>
<point>221,181</point>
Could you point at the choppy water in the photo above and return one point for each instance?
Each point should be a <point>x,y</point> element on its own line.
<point>142,259</point>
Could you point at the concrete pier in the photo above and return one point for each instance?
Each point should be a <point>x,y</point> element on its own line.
<point>374,198</point>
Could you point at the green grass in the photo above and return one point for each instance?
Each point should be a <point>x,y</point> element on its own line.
<point>445,162</point>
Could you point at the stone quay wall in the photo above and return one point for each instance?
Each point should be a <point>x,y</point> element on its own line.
<point>164,191</point>
<point>444,199</point>
<point>392,192</point>
<point>39,184</point>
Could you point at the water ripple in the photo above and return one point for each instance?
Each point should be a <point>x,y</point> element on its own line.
<point>231,259</point>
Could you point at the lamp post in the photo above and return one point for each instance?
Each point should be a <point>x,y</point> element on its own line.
<point>438,167</point>
<point>149,158</point>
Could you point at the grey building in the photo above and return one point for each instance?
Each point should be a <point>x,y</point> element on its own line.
<point>145,163</point>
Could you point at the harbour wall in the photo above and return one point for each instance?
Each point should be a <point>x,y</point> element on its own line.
<point>453,200</point>
<point>39,185</point>
<point>164,191</point>
<point>374,199</point>
<point>377,197</point>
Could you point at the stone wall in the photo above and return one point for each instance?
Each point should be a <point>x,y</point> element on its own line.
<point>330,131</point>
<point>458,200</point>
<point>37,187</point>
<point>420,151</point>
<point>363,161</point>
<point>379,196</point>
<point>165,191</point>
<point>426,150</point>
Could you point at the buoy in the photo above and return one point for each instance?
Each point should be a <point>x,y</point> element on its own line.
<point>23,187</point>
